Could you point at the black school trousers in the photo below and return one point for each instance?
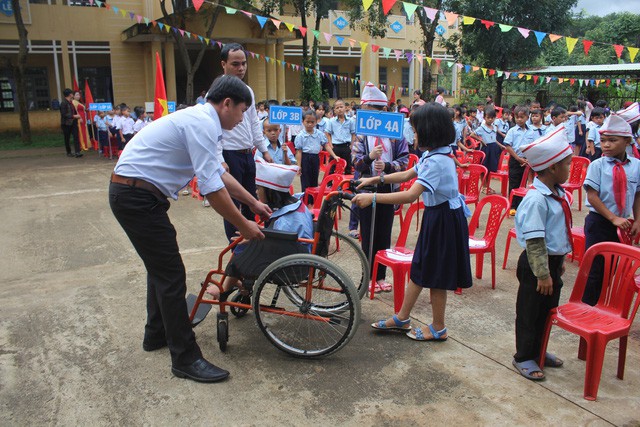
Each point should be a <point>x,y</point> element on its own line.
<point>597,229</point>
<point>143,216</point>
<point>532,308</point>
<point>516,172</point>
<point>67,131</point>
<point>242,167</point>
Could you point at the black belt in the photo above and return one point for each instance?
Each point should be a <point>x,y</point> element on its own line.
<point>245,151</point>
<point>138,183</point>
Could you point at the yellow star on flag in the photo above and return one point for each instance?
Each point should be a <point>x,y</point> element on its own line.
<point>165,107</point>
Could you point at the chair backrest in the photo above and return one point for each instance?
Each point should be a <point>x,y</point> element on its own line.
<point>406,222</point>
<point>578,173</point>
<point>503,163</point>
<point>498,208</point>
<point>329,182</point>
<point>476,157</point>
<point>324,158</point>
<point>626,237</point>
<point>336,167</point>
<point>619,288</point>
<point>527,176</point>
<point>413,160</point>
<point>477,173</point>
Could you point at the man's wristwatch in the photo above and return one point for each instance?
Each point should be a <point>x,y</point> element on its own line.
<point>382,178</point>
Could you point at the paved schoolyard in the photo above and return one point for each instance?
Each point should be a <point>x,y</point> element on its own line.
<point>73,309</point>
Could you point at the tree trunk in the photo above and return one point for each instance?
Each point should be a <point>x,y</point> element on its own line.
<point>429,31</point>
<point>498,100</point>
<point>18,72</point>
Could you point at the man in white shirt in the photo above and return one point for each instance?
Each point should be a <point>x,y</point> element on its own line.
<point>158,161</point>
<point>237,155</point>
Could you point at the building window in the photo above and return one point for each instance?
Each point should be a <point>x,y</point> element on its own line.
<point>405,80</point>
<point>99,79</point>
<point>382,75</point>
<point>77,3</point>
<point>6,95</point>
<point>37,85</point>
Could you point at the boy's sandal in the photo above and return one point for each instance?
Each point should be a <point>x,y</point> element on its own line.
<point>552,361</point>
<point>398,325</point>
<point>527,368</point>
<point>418,335</point>
<point>354,234</point>
<point>383,287</point>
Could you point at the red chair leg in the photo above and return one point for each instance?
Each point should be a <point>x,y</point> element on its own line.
<point>479,262</point>
<point>545,341</point>
<point>399,277</point>
<point>374,272</point>
<point>503,187</point>
<point>493,268</point>
<point>622,356</point>
<point>506,252</point>
<point>595,359</point>
<point>582,349</point>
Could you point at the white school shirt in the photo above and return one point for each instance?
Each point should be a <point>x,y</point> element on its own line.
<point>117,120</point>
<point>170,150</point>
<point>600,178</point>
<point>126,125</point>
<point>139,124</point>
<point>247,134</point>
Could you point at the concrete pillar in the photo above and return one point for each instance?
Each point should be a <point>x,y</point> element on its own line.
<point>170,72</point>
<point>271,67</point>
<point>280,74</point>
<point>369,67</point>
<point>67,78</point>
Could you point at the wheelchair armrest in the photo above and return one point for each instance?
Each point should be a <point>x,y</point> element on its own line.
<point>280,235</point>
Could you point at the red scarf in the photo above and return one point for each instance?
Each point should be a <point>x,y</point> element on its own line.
<point>568,219</point>
<point>620,185</point>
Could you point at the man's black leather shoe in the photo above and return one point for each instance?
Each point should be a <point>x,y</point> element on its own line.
<point>201,371</point>
<point>152,346</point>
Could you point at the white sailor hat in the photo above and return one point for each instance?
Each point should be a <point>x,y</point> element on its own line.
<point>371,95</point>
<point>631,113</point>
<point>275,176</point>
<point>547,150</point>
<point>614,125</point>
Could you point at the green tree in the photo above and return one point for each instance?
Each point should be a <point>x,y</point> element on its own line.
<point>504,50</point>
<point>18,73</point>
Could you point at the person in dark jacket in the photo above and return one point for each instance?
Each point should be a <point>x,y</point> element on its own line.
<point>69,123</point>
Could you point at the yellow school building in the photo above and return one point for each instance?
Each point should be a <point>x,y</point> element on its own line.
<point>103,44</point>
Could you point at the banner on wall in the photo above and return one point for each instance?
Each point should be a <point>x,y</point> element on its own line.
<point>6,12</point>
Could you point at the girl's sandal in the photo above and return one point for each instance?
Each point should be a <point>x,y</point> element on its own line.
<point>398,325</point>
<point>418,335</point>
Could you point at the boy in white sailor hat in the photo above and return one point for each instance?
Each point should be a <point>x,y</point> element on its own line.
<point>543,228</point>
<point>631,115</point>
<point>289,214</point>
<point>612,196</point>
<point>377,156</point>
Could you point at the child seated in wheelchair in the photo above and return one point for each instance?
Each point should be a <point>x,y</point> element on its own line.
<point>289,215</point>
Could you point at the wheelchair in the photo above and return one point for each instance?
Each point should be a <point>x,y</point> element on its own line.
<point>306,304</point>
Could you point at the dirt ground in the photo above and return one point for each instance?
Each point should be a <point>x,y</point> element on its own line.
<point>72,313</point>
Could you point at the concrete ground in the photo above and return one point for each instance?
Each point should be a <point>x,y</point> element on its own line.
<point>73,310</point>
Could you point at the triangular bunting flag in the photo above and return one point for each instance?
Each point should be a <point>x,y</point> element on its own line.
<point>132,15</point>
<point>363,46</point>
<point>409,9</point>
<point>161,25</point>
<point>146,21</point>
<point>327,37</point>
<point>587,45</point>
<point>181,32</point>
<point>340,40</point>
<point>397,53</point>
<point>475,68</point>
<point>484,72</point>
<point>197,4</point>
<point>487,24</point>
<point>467,69</point>
<point>451,18</point>
<point>528,77</point>
<point>560,80</point>
<point>429,60</point>
<point>572,81</point>
<point>366,4</point>
<point>386,51</point>
<point>262,20</point>
<point>249,14</point>
<point>633,51</point>
<point>409,57</point>
<point>276,22</point>
<point>303,31</point>
<point>289,26</point>
<point>539,36</point>
<point>438,61</point>
<point>420,58</point>
<point>554,37</point>
<point>504,28</point>
<point>431,13</point>
<point>468,20</point>
<point>115,10</point>
<point>507,74</point>
<point>492,71</point>
<point>499,73</point>
<point>230,10</point>
<point>123,12</point>
<point>618,48</point>
<point>375,48</point>
<point>352,42</point>
<point>524,32</point>
<point>548,79</point>
<point>139,18</point>
<point>618,82</point>
<point>571,43</point>
<point>316,34</point>
<point>387,5</point>
<point>535,79</point>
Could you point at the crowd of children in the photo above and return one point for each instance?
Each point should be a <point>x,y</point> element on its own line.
<point>116,127</point>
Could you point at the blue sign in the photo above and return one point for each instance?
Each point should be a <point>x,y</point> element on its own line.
<point>377,123</point>
<point>6,8</point>
<point>171,105</point>
<point>100,106</point>
<point>396,27</point>
<point>285,115</point>
<point>440,30</point>
<point>340,23</point>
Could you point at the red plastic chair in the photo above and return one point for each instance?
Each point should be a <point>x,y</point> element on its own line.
<point>475,157</point>
<point>579,166</point>
<point>413,160</point>
<point>479,245</point>
<point>195,191</point>
<point>625,236</point>
<point>397,259</point>
<point>609,319</point>
<point>502,173</point>
<point>324,160</point>
<point>470,181</point>
<point>525,184</point>
<point>333,167</point>
<point>512,234</point>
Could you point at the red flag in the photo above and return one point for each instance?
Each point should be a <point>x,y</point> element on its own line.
<point>88,99</point>
<point>197,4</point>
<point>387,5</point>
<point>618,48</point>
<point>76,88</point>
<point>392,100</point>
<point>587,45</point>
<point>160,107</point>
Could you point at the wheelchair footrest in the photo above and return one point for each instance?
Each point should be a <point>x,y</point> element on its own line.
<point>201,313</point>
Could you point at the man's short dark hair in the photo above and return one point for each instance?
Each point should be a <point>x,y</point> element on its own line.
<point>230,47</point>
<point>67,92</point>
<point>597,112</point>
<point>226,86</point>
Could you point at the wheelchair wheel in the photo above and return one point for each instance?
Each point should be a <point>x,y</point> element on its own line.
<point>223,331</point>
<point>299,325</point>
<point>348,255</point>
<point>244,299</point>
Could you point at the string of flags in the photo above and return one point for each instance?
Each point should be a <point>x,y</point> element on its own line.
<point>386,52</point>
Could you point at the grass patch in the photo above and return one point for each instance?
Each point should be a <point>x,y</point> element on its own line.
<point>12,141</point>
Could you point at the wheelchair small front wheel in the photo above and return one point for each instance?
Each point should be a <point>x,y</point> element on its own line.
<point>303,326</point>
<point>241,298</point>
<point>223,331</point>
